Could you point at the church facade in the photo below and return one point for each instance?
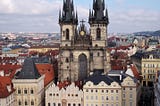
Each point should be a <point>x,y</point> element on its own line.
<point>83,52</point>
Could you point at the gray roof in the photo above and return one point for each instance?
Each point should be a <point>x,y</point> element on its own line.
<point>29,70</point>
<point>96,79</point>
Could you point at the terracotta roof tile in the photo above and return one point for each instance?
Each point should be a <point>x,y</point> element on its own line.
<point>4,82</point>
<point>135,71</point>
<point>48,71</point>
<point>9,69</point>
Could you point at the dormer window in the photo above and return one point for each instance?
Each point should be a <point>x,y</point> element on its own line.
<point>151,57</point>
<point>9,88</point>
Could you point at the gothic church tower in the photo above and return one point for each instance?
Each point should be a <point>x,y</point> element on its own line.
<point>83,52</point>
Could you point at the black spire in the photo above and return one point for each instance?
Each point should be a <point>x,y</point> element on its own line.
<point>68,13</point>
<point>98,14</point>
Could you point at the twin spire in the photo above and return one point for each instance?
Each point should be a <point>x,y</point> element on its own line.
<point>96,16</point>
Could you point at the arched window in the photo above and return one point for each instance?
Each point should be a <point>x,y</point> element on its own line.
<point>67,60</point>
<point>98,33</point>
<point>49,104</point>
<point>32,91</point>
<point>19,103</point>
<point>32,102</point>
<point>82,59</point>
<point>67,34</point>
<point>26,103</point>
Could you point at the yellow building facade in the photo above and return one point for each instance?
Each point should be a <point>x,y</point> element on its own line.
<point>150,67</point>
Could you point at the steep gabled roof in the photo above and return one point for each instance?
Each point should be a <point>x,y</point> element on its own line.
<point>29,70</point>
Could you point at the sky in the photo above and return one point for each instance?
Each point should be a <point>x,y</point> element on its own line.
<point>125,16</point>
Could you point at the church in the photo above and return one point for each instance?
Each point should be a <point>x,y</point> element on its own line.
<point>83,51</point>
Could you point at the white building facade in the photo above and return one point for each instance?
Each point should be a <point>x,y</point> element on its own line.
<point>66,96</point>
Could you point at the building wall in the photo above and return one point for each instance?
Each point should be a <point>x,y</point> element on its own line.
<point>29,91</point>
<point>68,96</point>
<point>102,94</point>
<point>150,68</point>
<point>43,49</point>
<point>102,41</point>
<point>70,69</point>
<point>8,101</point>
<point>129,92</point>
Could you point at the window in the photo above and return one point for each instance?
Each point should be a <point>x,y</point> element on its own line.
<point>130,95</point>
<point>32,91</point>
<point>54,104</point>
<point>26,103</point>
<point>74,104</point>
<point>116,97</point>
<point>59,104</point>
<point>98,54</point>
<point>32,102</point>
<point>19,91</point>
<point>25,91</point>
<point>67,60</point>
<point>67,34</point>
<point>112,98</point>
<point>19,103</point>
<point>79,104</point>
<point>69,104</point>
<point>49,104</point>
<point>130,103</point>
<point>50,94</point>
<point>123,95</point>
<point>98,33</point>
<point>112,91</point>
<point>96,97</point>
<point>87,97</point>
<point>102,97</point>
<point>102,91</point>
<point>116,91</point>
<point>130,88</point>
<point>91,97</point>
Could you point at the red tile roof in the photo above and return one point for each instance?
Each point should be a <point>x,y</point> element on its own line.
<point>65,84</point>
<point>135,71</point>
<point>4,82</point>
<point>48,71</point>
<point>9,69</point>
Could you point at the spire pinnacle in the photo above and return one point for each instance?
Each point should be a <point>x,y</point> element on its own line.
<point>68,13</point>
<point>98,14</point>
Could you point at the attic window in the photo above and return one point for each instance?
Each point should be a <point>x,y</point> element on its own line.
<point>9,88</point>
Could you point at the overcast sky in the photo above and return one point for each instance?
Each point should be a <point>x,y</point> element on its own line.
<point>42,15</point>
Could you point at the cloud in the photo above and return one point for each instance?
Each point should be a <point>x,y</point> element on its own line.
<point>29,6</point>
<point>42,16</point>
<point>134,20</point>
